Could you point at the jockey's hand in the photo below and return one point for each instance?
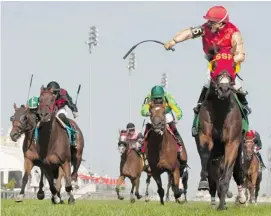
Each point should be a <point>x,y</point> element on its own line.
<point>169,44</point>
<point>148,114</point>
<point>75,114</point>
<point>176,122</point>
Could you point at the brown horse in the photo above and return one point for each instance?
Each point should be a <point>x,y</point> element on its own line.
<point>131,166</point>
<point>24,122</point>
<point>161,151</point>
<point>53,144</point>
<point>251,167</point>
<point>220,123</point>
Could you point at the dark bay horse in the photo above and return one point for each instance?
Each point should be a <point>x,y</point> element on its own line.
<point>161,151</point>
<point>53,145</point>
<point>251,167</point>
<point>24,122</point>
<point>220,127</point>
<point>131,166</point>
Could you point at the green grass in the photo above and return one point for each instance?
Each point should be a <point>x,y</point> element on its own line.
<point>124,208</point>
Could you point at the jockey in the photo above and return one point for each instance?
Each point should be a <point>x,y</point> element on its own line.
<point>159,95</point>
<point>257,140</point>
<point>63,99</point>
<point>217,32</point>
<point>33,104</point>
<point>133,139</point>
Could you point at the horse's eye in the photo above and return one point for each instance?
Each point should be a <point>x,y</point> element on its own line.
<point>23,119</point>
<point>12,118</point>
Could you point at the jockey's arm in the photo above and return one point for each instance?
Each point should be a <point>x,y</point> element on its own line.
<point>187,34</point>
<point>258,141</point>
<point>70,104</point>
<point>174,106</point>
<point>238,47</point>
<point>145,107</point>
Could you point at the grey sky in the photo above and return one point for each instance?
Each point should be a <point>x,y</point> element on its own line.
<point>47,39</point>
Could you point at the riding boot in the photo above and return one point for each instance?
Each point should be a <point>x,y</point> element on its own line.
<point>147,128</point>
<point>179,139</point>
<point>243,101</point>
<point>201,99</point>
<point>261,160</point>
<point>67,123</point>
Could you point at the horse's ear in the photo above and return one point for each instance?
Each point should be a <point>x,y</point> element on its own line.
<point>15,106</point>
<point>41,88</point>
<point>26,106</point>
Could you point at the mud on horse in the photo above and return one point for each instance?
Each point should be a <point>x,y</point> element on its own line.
<point>131,166</point>
<point>53,144</point>
<point>251,168</point>
<point>161,151</point>
<point>220,128</point>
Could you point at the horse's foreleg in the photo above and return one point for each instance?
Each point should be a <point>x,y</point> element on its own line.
<point>204,149</point>
<point>185,183</point>
<point>175,185</point>
<point>40,194</point>
<point>148,180</point>
<point>254,177</point>
<point>160,190</point>
<point>50,178</point>
<point>28,165</point>
<point>132,198</point>
<point>120,181</point>
<point>58,183</point>
<point>168,186</point>
<point>137,183</point>
<point>68,187</point>
<point>226,168</point>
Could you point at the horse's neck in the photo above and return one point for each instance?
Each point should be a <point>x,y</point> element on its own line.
<point>166,137</point>
<point>219,109</point>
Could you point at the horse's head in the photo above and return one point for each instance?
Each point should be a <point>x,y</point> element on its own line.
<point>249,146</point>
<point>47,104</point>
<point>223,71</point>
<point>157,116</point>
<point>22,121</point>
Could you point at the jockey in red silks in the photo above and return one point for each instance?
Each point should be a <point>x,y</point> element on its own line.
<point>255,136</point>
<point>133,139</point>
<point>217,32</point>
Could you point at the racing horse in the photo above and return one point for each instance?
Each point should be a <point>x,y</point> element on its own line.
<point>24,122</point>
<point>131,166</point>
<point>251,168</point>
<point>161,151</point>
<point>220,127</point>
<point>54,143</point>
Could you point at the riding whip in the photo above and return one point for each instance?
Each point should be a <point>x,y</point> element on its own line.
<point>29,88</point>
<point>133,47</point>
<point>79,87</point>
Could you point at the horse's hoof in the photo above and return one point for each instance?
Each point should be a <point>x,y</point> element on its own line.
<point>229,194</point>
<point>19,198</point>
<point>147,200</point>
<point>71,200</point>
<point>221,208</point>
<point>138,196</point>
<point>41,195</point>
<point>162,202</point>
<point>55,199</point>
<point>62,202</point>
<point>120,198</point>
<point>203,185</point>
<point>132,200</point>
